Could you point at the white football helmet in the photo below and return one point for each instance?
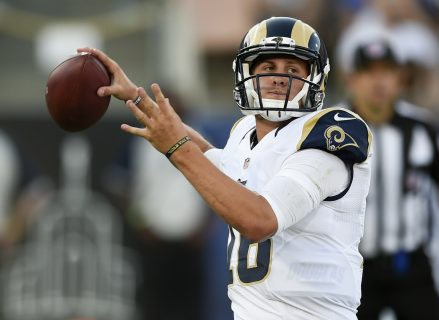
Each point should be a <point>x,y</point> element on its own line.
<point>281,36</point>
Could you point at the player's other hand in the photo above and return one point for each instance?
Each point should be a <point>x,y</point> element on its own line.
<point>162,127</point>
<point>121,86</point>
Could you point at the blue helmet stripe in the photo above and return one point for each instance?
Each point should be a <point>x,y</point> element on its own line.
<point>280,27</point>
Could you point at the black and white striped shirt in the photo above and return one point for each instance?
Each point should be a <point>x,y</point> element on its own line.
<point>402,200</point>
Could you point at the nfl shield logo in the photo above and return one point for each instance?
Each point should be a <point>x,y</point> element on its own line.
<point>246,163</point>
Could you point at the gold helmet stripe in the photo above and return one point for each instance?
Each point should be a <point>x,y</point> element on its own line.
<point>301,33</point>
<point>257,33</point>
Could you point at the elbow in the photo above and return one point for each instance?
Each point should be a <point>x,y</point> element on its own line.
<point>254,237</point>
<point>259,230</point>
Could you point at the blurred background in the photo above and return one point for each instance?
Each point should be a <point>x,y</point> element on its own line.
<point>96,225</point>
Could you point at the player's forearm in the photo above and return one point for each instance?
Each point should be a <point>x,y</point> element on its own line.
<point>202,143</point>
<point>246,211</point>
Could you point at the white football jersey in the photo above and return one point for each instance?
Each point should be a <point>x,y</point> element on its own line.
<point>311,267</point>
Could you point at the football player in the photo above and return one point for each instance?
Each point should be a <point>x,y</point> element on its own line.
<point>402,206</point>
<point>291,181</point>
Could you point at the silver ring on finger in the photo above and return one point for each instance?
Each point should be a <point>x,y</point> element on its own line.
<point>137,100</point>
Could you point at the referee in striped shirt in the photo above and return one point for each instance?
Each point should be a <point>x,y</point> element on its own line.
<point>402,201</point>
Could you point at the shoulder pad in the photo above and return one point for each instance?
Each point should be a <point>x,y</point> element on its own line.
<point>236,123</point>
<point>246,121</point>
<point>338,131</point>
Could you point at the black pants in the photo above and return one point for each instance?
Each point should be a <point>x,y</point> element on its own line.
<point>410,294</point>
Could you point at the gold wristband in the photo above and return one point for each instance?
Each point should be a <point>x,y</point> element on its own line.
<point>175,147</point>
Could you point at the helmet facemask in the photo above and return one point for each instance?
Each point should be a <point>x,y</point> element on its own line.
<point>285,107</point>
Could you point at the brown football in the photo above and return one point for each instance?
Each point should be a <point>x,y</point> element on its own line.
<point>71,92</point>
